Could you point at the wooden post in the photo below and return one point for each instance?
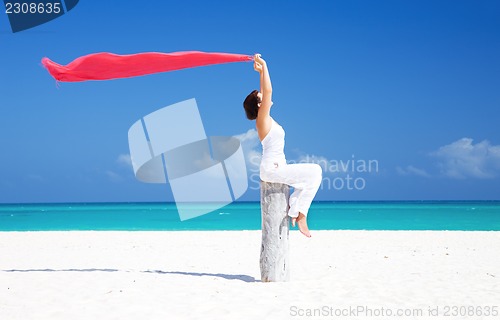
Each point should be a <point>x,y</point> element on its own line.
<point>274,254</point>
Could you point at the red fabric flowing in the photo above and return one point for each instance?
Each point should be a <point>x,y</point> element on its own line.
<point>105,66</point>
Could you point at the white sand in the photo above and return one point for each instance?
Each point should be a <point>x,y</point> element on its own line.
<point>215,275</point>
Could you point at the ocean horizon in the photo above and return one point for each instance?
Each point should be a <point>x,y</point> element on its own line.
<point>323,215</point>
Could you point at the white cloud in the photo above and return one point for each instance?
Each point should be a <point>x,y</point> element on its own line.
<point>113,176</point>
<point>252,149</point>
<point>249,138</point>
<point>123,171</point>
<point>462,159</point>
<point>125,160</point>
<point>411,170</point>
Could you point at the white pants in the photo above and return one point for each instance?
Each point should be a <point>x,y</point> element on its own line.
<point>305,178</point>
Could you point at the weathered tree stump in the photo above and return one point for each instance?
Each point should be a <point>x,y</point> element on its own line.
<point>274,254</point>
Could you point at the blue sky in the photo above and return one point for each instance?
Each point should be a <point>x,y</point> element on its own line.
<point>412,85</point>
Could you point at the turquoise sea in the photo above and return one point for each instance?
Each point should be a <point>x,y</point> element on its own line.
<point>425,215</point>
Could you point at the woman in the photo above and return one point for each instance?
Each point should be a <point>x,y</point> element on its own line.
<point>305,178</point>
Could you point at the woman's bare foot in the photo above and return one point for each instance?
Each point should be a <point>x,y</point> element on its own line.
<point>302,223</point>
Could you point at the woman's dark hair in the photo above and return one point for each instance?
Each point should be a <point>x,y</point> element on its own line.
<point>251,105</point>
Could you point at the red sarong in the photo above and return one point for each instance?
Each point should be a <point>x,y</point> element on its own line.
<point>105,66</point>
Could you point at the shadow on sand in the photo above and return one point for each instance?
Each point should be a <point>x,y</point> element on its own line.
<point>240,277</point>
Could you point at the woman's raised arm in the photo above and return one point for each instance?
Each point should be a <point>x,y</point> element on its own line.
<point>266,90</point>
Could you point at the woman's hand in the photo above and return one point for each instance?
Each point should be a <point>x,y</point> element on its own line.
<point>257,67</point>
<point>257,58</point>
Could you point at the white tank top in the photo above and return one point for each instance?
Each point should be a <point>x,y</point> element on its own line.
<point>273,145</point>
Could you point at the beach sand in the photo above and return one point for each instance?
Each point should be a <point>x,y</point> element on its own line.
<point>215,275</point>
